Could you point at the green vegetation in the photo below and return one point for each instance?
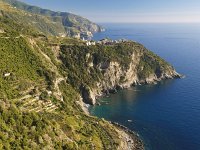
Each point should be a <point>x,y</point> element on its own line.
<point>77,57</point>
<point>41,77</point>
<point>150,63</point>
<point>25,121</point>
<point>26,130</point>
<point>18,60</point>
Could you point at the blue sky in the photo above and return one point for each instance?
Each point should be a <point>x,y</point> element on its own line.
<point>127,10</point>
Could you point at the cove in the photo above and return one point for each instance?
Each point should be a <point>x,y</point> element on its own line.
<point>166,115</point>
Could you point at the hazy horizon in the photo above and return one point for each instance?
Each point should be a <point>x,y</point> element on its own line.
<point>129,11</point>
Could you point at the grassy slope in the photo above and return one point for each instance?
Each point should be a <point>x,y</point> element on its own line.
<point>18,59</point>
<point>67,127</point>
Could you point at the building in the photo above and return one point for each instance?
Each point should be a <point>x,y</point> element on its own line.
<point>7,74</point>
<point>89,43</point>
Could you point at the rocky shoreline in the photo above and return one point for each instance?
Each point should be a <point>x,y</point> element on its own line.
<point>130,140</point>
<point>92,95</point>
<point>133,140</point>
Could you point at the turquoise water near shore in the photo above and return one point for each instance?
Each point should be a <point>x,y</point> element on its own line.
<point>166,115</point>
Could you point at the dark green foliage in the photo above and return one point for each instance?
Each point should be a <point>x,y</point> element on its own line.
<point>49,76</point>
<point>150,64</point>
<point>76,62</point>
<point>44,95</point>
<point>23,130</point>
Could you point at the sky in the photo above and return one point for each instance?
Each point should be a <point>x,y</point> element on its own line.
<point>127,11</point>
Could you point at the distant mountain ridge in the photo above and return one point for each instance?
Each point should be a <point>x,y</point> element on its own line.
<point>57,23</point>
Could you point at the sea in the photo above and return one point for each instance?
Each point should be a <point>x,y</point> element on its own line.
<point>166,115</point>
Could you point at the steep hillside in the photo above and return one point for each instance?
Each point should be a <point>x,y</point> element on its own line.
<point>49,22</point>
<point>45,79</point>
<point>39,108</point>
<point>102,69</point>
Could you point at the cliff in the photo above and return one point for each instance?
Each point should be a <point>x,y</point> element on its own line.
<point>115,66</point>
<point>116,77</point>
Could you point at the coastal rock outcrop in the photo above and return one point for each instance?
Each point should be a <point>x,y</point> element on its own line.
<point>96,70</point>
<point>116,76</point>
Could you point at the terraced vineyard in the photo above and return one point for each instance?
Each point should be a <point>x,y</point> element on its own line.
<point>33,104</point>
<point>38,104</point>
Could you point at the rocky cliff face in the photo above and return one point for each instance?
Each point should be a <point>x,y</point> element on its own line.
<point>116,77</point>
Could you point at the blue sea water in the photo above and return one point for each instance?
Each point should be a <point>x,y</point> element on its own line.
<point>166,115</point>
